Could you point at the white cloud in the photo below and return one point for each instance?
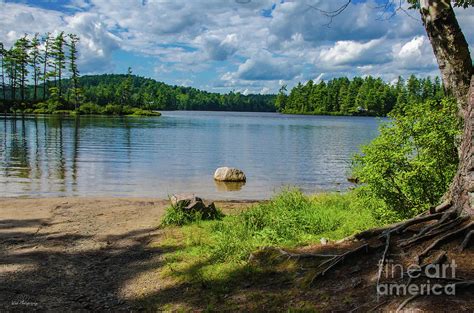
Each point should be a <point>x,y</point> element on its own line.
<point>353,53</point>
<point>414,54</point>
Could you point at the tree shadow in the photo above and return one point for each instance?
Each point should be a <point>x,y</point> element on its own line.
<point>53,271</point>
<point>57,271</point>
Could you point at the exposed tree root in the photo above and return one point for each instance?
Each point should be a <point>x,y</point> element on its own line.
<point>333,262</point>
<point>406,301</point>
<point>449,236</point>
<point>466,240</point>
<point>414,221</point>
<point>442,207</point>
<point>441,223</point>
<point>433,232</point>
<point>382,261</point>
<point>300,256</point>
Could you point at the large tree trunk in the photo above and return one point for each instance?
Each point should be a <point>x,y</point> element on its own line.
<point>452,53</point>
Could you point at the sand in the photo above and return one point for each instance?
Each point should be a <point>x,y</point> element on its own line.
<point>80,253</point>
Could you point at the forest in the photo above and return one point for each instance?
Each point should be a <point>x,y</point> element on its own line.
<point>149,94</point>
<point>357,96</point>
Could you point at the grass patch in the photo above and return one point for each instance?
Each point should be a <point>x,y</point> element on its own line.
<point>176,216</point>
<point>217,251</point>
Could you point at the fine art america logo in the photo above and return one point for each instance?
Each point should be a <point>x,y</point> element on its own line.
<point>427,279</point>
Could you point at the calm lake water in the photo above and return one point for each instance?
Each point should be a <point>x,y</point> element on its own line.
<point>177,152</point>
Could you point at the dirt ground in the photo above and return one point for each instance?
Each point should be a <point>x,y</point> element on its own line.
<point>80,253</point>
<point>100,254</point>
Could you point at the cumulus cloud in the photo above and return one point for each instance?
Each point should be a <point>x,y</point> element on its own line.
<point>355,53</point>
<point>96,44</point>
<point>267,68</point>
<point>415,54</point>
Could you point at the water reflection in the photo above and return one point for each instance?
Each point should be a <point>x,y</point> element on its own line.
<point>228,186</point>
<point>176,153</point>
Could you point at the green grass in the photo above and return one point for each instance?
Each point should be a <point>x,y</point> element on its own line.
<point>176,216</point>
<point>217,250</point>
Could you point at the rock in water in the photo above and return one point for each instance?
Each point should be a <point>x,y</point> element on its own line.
<point>229,174</point>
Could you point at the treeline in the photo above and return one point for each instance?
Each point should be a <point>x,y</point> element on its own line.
<point>39,74</point>
<point>149,94</point>
<point>34,68</point>
<point>359,96</point>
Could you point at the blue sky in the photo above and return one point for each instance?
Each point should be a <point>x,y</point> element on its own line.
<point>251,46</point>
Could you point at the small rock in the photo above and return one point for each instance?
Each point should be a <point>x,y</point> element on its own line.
<point>324,241</point>
<point>229,174</point>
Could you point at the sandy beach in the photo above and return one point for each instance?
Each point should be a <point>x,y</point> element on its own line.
<point>81,253</point>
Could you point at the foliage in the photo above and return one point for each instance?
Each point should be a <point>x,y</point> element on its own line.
<point>176,216</point>
<point>410,164</point>
<point>89,108</point>
<point>146,93</point>
<point>359,96</point>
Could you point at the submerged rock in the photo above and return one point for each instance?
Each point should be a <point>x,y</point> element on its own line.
<point>229,174</point>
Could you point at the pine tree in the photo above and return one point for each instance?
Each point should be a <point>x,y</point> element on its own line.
<point>2,64</point>
<point>76,92</point>
<point>281,99</point>
<point>46,56</point>
<point>126,89</point>
<point>20,54</point>
<point>57,52</point>
<point>11,71</point>
<point>36,60</point>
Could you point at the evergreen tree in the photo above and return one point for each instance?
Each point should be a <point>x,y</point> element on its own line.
<point>36,60</point>
<point>126,89</point>
<point>2,64</point>
<point>281,99</point>
<point>76,91</point>
<point>57,51</point>
<point>47,46</point>
<point>20,54</point>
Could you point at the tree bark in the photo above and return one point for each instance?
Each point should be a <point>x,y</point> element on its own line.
<point>452,53</point>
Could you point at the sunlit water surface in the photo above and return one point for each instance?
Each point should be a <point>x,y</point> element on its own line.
<point>177,152</point>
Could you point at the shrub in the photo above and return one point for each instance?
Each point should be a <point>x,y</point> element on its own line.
<point>141,112</point>
<point>89,108</point>
<point>409,166</point>
<point>113,109</point>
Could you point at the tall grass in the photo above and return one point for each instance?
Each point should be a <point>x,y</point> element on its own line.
<point>214,249</point>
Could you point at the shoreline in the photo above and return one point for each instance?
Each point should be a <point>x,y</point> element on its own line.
<point>78,252</point>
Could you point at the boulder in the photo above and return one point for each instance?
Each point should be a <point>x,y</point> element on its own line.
<point>183,200</point>
<point>191,203</point>
<point>229,174</point>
